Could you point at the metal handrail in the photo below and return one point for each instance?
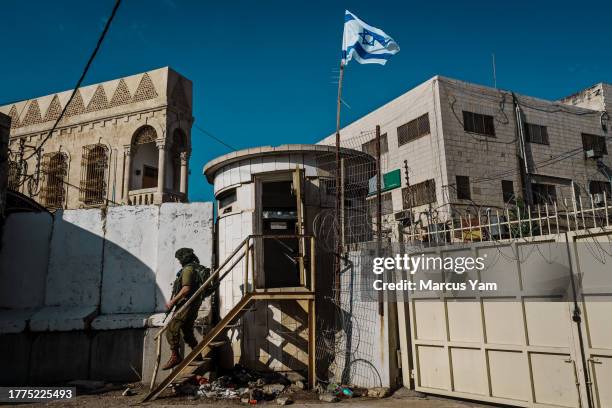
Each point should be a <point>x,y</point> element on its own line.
<point>246,243</point>
<point>210,279</point>
<point>201,289</point>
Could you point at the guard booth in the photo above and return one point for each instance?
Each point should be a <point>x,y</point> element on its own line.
<point>278,196</point>
<point>274,272</point>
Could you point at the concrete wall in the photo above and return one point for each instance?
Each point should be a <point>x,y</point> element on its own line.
<point>23,260</point>
<point>130,257</point>
<point>40,358</point>
<point>181,226</point>
<point>59,273</point>
<point>75,260</point>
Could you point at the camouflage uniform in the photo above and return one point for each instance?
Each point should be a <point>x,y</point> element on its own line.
<point>192,274</point>
<point>184,323</point>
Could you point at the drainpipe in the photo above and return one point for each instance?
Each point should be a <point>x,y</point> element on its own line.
<point>522,162</point>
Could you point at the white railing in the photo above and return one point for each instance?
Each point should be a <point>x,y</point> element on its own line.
<point>516,222</point>
<point>143,196</point>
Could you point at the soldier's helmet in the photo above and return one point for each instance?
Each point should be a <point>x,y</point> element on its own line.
<point>184,254</point>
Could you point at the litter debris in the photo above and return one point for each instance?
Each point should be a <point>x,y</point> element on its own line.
<point>378,392</point>
<point>273,389</point>
<point>297,386</point>
<point>256,394</point>
<point>328,397</point>
<point>128,392</point>
<point>248,386</point>
<point>284,401</point>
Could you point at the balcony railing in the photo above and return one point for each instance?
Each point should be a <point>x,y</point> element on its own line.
<point>147,196</point>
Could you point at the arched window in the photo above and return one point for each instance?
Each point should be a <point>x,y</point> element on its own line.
<point>54,172</point>
<point>145,134</point>
<point>145,159</point>
<point>94,166</point>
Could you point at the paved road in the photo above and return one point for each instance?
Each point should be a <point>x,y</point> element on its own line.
<point>402,399</point>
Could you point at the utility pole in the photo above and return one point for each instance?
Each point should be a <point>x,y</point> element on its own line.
<point>408,192</point>
<point>381,305</point>
<point>378,193</point>
<point>339,243</point>
<point>494,72</point>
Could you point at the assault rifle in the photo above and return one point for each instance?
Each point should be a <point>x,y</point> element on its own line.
<point>174,292</point>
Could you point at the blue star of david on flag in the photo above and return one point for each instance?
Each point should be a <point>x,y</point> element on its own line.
<point>364,43</point>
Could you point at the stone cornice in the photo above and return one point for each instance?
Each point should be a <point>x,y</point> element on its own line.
<point>58,131</point>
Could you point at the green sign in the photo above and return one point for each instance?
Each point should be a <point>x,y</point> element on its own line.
<point>390,180</point>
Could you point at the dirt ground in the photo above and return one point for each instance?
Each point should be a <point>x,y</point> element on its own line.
<point>400,399</point>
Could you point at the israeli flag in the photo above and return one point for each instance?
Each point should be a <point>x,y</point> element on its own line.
<point>364,43</point>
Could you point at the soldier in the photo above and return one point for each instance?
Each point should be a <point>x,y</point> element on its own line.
<point>191,276</point>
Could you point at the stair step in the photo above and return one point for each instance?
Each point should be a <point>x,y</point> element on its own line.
<point>199,363</point>
<point>204,346</point>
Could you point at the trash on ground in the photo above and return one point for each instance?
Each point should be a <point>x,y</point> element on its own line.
<point>328,397</point>
<point>379,392</point>
<point>284,401</point>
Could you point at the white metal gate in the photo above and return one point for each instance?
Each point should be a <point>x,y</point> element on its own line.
<point>521,345</point>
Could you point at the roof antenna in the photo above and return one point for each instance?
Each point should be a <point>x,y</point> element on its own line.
<point>494,73</point>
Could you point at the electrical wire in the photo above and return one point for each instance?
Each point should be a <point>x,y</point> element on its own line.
<point>207,133</point>
<point>81,78</point>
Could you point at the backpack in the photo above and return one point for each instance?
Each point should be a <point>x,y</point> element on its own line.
<point>202,273</point>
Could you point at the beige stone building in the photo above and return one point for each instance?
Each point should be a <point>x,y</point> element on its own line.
<point>462,146</point>
<point>124,141</point>
<point>5,123</point>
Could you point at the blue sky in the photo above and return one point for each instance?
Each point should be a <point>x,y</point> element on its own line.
<point>263,70</point>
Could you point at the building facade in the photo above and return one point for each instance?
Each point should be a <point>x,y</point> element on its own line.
<point>125,141</point>
<point>5,124</point>
<point>453,148</point>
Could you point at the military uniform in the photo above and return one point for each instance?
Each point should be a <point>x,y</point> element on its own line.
<point>184,323</point>
<point>192,274</point>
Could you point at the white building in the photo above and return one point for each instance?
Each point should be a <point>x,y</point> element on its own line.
<point>462,147</point>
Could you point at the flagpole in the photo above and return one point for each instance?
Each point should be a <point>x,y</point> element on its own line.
<point>339,216</point>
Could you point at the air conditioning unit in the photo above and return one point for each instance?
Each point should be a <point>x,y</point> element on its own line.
<point>595,153</point>
<point>598,198</point>
<point>404,216</point>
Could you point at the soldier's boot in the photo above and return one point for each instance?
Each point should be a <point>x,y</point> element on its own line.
<point>193,345</point>
<point>174,360</point>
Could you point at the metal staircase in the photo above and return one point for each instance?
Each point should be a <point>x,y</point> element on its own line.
<point>245,250</point>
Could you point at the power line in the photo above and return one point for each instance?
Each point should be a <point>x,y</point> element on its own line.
<point>80,81</point>
<point>207,133</point>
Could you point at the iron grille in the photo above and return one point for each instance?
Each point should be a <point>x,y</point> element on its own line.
<point>14,175</point>
<point>54,171</point>
<point>94,166</point>
<point>419,194</point>
<point>413,129</point>
<point>144,135</point>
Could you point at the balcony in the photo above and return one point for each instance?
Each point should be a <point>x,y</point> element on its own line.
<point>147,196</point>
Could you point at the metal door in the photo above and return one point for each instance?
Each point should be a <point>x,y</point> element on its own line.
<point>519,345</point>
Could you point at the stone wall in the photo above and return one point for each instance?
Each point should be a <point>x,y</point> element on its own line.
<point>110,113</point>
<point>449,151</point>
<point>5,123</point>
